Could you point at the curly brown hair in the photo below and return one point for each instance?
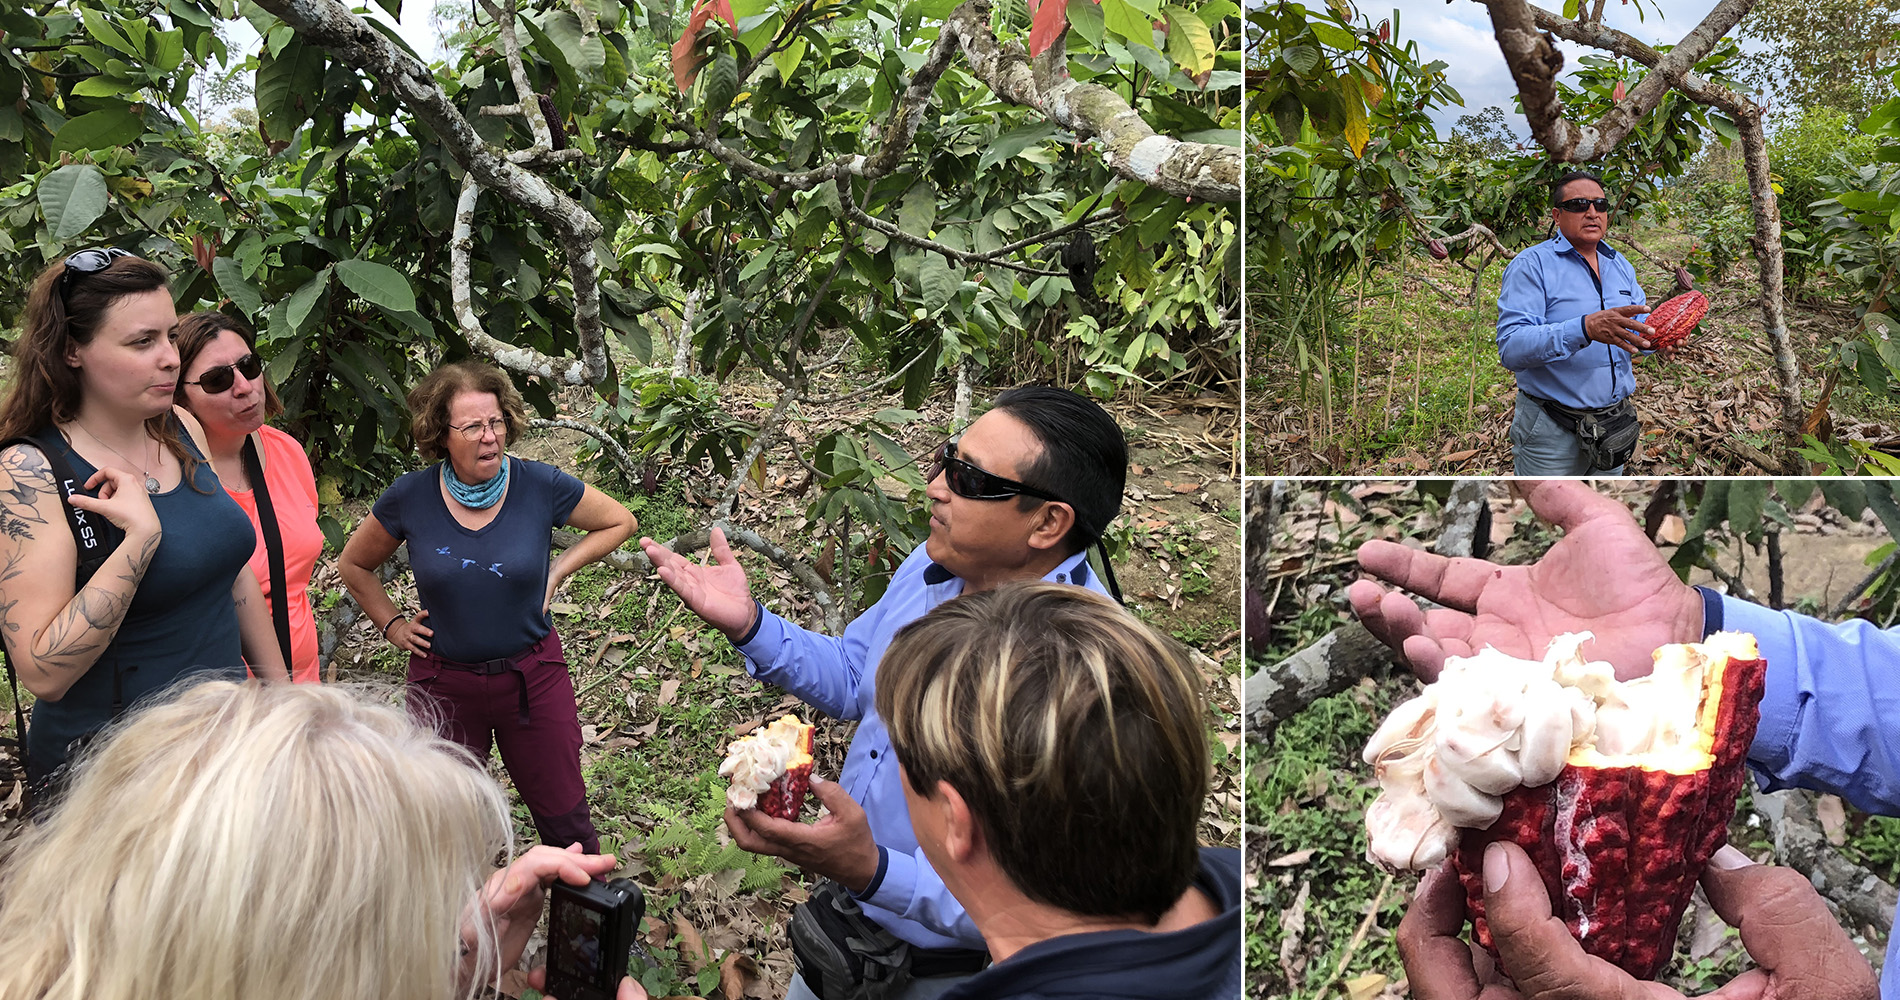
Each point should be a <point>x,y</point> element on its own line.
<point>60,314</point>
<point>196,332</point>
<point>429,403</point>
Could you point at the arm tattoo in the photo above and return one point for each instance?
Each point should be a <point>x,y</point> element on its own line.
<point>27,478</point>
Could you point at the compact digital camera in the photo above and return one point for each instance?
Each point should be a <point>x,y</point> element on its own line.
<point>591,931</point>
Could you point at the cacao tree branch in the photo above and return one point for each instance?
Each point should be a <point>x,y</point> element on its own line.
<point>350,40</point>
<point>1331,665</point>
<point>526,360</point>
<point>1860,896</point>
<point>526,103</point>
<point>891,230</point>
<point>1131,147</point>
<point>620,456</point>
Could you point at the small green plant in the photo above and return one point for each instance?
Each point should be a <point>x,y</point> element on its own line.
<point>686,845</point>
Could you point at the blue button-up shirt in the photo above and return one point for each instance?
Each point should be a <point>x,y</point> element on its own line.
<point>1548,289</point>
<point>836,675</point>
<point>1830,716</point>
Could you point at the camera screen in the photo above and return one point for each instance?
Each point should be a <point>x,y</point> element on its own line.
<point>574,939</point>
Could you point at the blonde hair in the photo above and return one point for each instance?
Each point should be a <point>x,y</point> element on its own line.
<point>296,842</point>
<point>1074,732</point>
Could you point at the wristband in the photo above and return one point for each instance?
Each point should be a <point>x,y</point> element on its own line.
<point>398,616</point>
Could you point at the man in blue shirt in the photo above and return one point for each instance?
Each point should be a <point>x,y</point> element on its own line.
<point>1019,495</point>
<point>1827,723</point>
<point>1567,326</point>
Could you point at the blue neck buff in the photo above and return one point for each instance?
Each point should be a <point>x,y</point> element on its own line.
<point>480,496</point>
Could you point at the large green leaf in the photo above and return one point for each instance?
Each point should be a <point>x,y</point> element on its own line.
<point>584,52</point>
<point>286,84</point>
<point>71,198</point>
<point>1015,141</point>
<point>937,280</point>
<point>1122,18</point>
<point>378,284</point>
<point>102,129</point>
<point>303,300</point>
<point>236,287</point>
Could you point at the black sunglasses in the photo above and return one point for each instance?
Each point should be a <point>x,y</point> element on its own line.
<point>972,483</point>
<point>1577,206</point>
<point>89,262</point>
<point>221,378</point>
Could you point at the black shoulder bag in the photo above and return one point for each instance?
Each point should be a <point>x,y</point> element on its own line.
<point>273,550</point>
<point>95,537</point>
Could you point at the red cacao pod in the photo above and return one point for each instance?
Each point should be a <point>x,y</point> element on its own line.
<point>771,769</point>
<point>1675,318</point>
<point>1437,249</point>
<point>1618,791</point>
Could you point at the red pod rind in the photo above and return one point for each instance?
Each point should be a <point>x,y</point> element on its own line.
<point>770,770</point>
<point>1620,847</point>
<point>1675,318</point>
<point>786,797</point>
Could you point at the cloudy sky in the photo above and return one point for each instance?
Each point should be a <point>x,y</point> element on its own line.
<point>1459,33</point>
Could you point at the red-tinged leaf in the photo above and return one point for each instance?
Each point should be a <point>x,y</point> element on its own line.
<point>1048,20</point>
<point>1617,94</point>
<point>1200,80</point>
<point>686,58</point>
<point>1385,30</point>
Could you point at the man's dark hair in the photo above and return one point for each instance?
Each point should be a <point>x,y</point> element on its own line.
<point>1084,456</point>
<point>1557,187</point>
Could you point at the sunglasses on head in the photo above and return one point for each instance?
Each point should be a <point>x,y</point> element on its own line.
<point>972,483</point>
<point>89,262</point>
<point>1576,206</point>
<point>223,377</point>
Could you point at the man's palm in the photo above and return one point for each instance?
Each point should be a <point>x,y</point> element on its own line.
<point>716,591</point>
<point>1604,576</point>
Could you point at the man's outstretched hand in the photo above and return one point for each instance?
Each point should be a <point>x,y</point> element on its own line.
<point>716,591</point>
<point>1801,953</point>
<point>1604,576</point>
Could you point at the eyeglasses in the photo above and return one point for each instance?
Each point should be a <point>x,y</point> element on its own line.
<point>474,432</point>
<point>89,262</point>
<point>222,378</point>
<point>1577,206</point>
<point>972,483</point>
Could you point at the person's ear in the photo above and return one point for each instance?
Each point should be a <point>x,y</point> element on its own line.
<point>1053,521</point>
<point>962,838</point>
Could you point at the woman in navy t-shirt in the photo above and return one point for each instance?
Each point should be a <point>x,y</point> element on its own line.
<point>484,659</point>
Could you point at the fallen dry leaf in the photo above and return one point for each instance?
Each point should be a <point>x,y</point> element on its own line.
<point>736,974</point>
<point>1365,987</point>
<point>1293,858</point>
<point>1671,531</point>
<point>692,949</point>
<point>1458,456</point>
<point>1833,818</point>
<point>669,689</point>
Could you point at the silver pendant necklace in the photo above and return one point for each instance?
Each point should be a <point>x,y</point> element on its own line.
<point>151,481</point>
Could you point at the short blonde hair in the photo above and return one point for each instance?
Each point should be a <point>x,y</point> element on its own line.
<point>1074,732</point>
<point>297,842</point>
<point>429,403</point>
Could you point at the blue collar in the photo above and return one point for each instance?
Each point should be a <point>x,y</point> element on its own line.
<point>935,573</point>
<point>1565,246</point>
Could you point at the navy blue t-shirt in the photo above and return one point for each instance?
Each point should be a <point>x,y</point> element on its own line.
<point>483,589</point>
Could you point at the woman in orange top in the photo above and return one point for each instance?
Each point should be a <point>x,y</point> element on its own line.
<point>224,387</point>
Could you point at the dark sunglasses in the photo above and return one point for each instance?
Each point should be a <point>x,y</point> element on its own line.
<point>1577,206</point>
<point>972,483</point>
<point>221,378</point>
<point>89,262</point>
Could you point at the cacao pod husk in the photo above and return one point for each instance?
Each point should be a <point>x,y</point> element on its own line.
<point>1437,249</point>
<point>1620,847</point>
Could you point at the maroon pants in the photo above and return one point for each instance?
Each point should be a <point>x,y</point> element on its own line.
<point>540,751</point>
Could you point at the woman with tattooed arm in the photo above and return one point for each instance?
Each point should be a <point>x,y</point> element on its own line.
<point>94,373</point>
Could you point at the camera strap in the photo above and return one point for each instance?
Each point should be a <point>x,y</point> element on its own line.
<point>94,537</point>
<point>273,550</point>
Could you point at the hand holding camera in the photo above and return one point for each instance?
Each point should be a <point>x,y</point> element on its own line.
<point>513,900</point>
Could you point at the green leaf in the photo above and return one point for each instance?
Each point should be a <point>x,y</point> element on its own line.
<point>1794,492</point>
<point>235,286</point>
<point>102,129</point>
<point>285,85</point>
<point>1015,141</point>
<point>938,281</point>
<point>786,60</point>
<point>394,7</point>
<point>379,284</point>
<point>1121,18</point>
<point>297,309</point>
<point>1745,500</point>
<point>721,81</point>
<point>103,86</point>
<point>71,198</point>
<point>1085,19</point>
<point>1190,43</point>
<point>1846,496</point>
<point>917,213</point>
<point>1302,59</point>
<point>1334,37</point>
<point>1880,498</point>
<point>1217,136</point>
<point>584,52</point>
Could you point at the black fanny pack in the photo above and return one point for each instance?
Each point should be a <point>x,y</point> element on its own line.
<point>842,954</point>
<point>1606,436</point>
